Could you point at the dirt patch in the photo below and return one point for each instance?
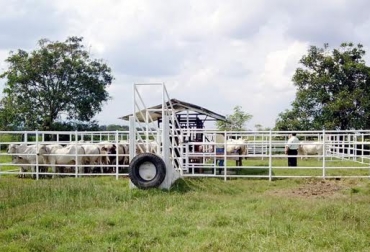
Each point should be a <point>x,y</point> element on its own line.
<point>314,188</point>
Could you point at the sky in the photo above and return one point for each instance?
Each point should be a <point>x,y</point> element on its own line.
<point>216,54</point>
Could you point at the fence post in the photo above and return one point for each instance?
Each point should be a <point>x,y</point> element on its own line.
<point>225,154</point>
<point>323,155</point>
<point>270,155</point>
<point>76,154</point>
<point>117,154</point>
<point>37,157</point>
<point>132,138</point>
<point>25,139</point>
<point>362,148</point>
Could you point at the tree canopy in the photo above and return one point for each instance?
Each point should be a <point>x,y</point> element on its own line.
<point>333,90</point>
<point>58,80</point>
<point>236,121</point>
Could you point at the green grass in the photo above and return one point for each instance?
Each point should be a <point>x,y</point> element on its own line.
<point>309,167</point>
<point>4,158</point>
<point>103,214</point>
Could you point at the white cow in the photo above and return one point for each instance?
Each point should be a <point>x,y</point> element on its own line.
<point>13,149</point>
<point>71,154</point>
<point>26,154</point>
<point>237,147</point>
<point>93,156</point>
<point>111,150</point>
<point>310,148</point>
<point>150,147</point>
<point>125,144</point>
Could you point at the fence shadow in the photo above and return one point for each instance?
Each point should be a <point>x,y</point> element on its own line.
<point>253,171</point>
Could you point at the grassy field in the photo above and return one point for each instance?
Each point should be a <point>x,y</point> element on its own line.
<point>103,214</point>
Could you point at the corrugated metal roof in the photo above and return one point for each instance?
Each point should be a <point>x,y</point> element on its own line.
<point>179,106</point>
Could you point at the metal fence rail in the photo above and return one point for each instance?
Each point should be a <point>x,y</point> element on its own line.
<point>346,154</point>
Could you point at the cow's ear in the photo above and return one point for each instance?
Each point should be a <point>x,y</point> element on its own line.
<point>114,146</point>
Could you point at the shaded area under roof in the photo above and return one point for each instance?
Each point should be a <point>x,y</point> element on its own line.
<point>178,106</point>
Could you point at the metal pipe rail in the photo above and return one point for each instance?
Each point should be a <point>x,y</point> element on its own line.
<point>347,154</point>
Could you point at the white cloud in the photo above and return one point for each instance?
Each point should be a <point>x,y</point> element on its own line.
<point>217,54</point>
<point>280,66</point>
<point>3,55</point>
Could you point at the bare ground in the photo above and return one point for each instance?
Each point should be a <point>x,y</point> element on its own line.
<point>315,188</point>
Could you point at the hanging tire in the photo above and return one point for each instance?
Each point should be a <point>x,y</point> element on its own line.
<point>147,170</point>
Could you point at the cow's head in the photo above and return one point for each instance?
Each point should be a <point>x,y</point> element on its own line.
<point>43,151</point>
<point>104,158</point>
<point>12,148</point>
<point>112,149</point>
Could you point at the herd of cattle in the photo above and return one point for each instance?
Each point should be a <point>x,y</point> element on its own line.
<point>101,157</point>
<point>61,158</point>
<point>88,157</point>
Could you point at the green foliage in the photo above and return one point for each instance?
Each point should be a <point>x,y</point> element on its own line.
<point>113,127</point>
<point>236,121</point>
<point>333,87</point>
<point>57,79</point>
<point>79,126</point>
<point>292,120</point>
<point>7,114</point>
<point>259,127</point>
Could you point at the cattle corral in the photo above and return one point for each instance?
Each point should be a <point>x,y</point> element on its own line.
<point>346,154</point>
<point>174,130</point>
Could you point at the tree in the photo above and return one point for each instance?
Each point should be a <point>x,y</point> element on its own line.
<point>56,80</point>
<point>333,87</point>
<point>290,120</point>
<point>78,126</point>
<point>236,121</point>
<point>259,127</point>
<point>7,115</point>
<point>113,127</point>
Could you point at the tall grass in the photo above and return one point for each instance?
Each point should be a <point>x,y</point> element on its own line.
<point>103,214</point>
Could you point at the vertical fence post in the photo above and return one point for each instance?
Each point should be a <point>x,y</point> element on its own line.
<point>117,154</point>
<point>362,148</point>
<point>37,157</point>
<point>166,144</point>
<point>225,154</point>
<point>76,154</point>
<point>132,138</point>
<point>186,156</point>
<point>270,156</point>
<point>323,154</point>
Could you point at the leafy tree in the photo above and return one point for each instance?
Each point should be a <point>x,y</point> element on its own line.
<point>292,120</point>
<point>259,127</point>
<point>78,126</point>
<point>333,90</point>
<point>7,115</point>
<point>57,79</point>
<point>113,127</point>
<point>236,121</point>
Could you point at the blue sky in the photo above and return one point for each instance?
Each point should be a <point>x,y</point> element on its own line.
<point>216,54</point>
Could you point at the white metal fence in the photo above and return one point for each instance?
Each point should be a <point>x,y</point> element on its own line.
<point>346,154</point>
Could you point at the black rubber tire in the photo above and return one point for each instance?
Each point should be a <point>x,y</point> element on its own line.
<point>134,171</point>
